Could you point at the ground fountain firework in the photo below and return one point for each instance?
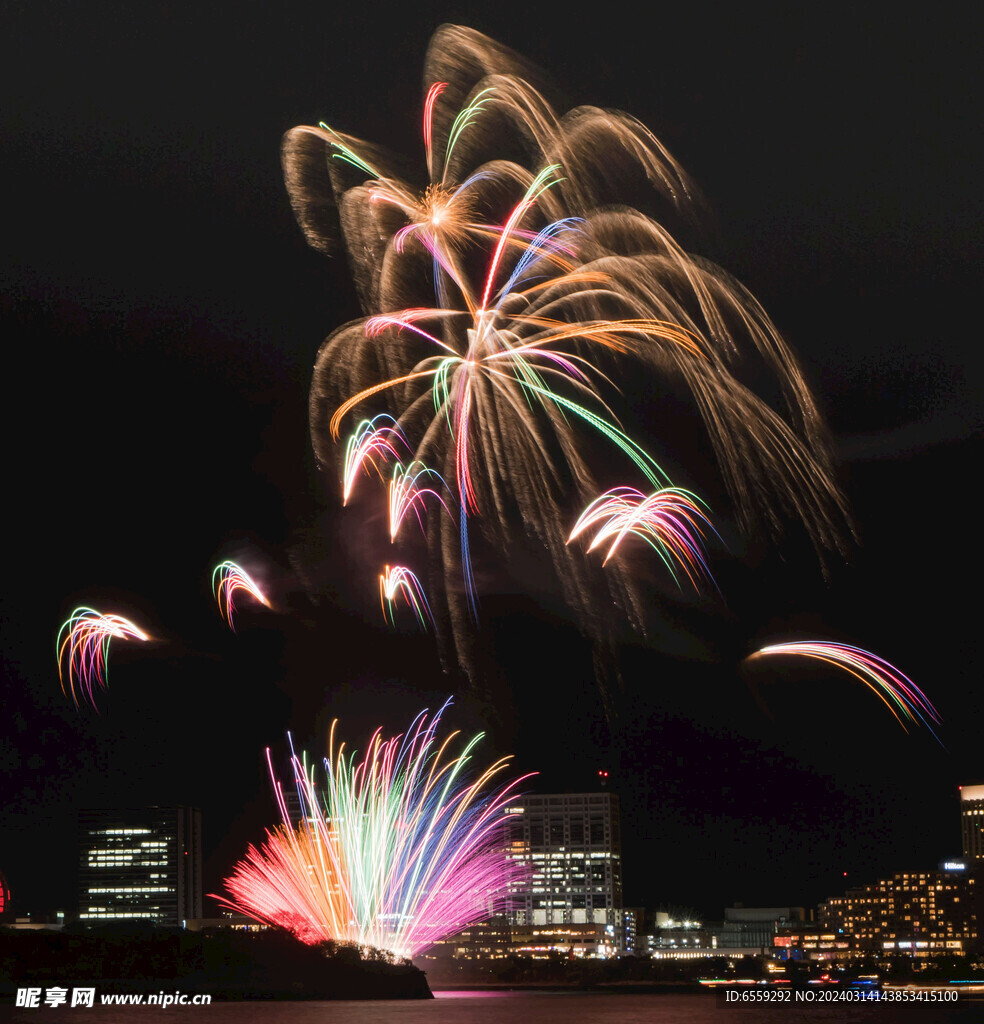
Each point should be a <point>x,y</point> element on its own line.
<point>394,850</point>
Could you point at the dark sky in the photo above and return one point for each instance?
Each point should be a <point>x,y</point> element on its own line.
<point>161,317</point>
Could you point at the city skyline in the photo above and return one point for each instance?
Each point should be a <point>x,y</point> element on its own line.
<point>162,293</point>
<point>569,898</point>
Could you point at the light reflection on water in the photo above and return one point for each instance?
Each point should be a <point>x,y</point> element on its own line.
<point>500,1006</point>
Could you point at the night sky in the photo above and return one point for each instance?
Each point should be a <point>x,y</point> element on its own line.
<point>161,316</point>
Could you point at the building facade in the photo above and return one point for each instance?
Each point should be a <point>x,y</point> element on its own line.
<point>572,846</point>
<point>140,865</point>
<point>756,927</point>
<point>972,822</point>
<point>915,913</point>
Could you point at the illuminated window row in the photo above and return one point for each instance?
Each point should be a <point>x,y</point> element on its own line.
<point>146,888</point>
<point>112,913</point>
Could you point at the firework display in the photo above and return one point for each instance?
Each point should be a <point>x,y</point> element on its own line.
<point>227,578</point>
<point>535,287</point>
<point>550,406</point>
<point>508,295</point>
<point>395,849</point>
<point>668,520</point>
<point>408,492</point>
<point>374,442</point>
<point>83,650</point>
<point>896,690</point>
<point>395,582</point>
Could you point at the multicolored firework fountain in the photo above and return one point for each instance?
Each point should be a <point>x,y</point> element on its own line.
<point>394,850</point>
<point>535,288</point>
<point>83,650</point>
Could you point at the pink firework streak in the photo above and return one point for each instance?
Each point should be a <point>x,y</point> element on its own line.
<point>373,443</point>
<point>896,690</point>
<point>397,580</point>
<point>670,520</point>
<point>407,493</point>
<point>83,648</point>
<point>227,578</point>
<point>396,849</point>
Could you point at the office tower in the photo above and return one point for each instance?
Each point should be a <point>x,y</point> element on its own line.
<point>572,844</point>
<point>972,823</point>
<point>140,864</point>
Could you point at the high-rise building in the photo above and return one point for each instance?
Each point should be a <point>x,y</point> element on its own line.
<point>972,822</point>
<point>140,864</point>
<point>573,848</point>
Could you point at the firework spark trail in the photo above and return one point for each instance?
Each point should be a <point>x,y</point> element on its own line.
<point>83,650</point>
<point>227,578</point>
<point>394,850</point>
<point>407,493</point>
<point>895,689</point>
<point>396,581</point>
<point>670,521</point>
<point>374,442</point>
<point>539,287</point>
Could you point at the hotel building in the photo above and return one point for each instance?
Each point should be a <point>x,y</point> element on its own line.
<point>140,864</point>
<point>972,823</point>
<point>915,913</point>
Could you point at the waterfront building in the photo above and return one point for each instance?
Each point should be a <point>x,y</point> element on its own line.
<point>499,939</point>
<point>568,940</point>
<point>572,846</point>
<point>756,927</point>
<point>633,921</point>
<point>140,864</point>
<point>35,922</point>
<point>972,822</point>
<point>811,942</point>
<point>915,913</point>
<point>679,931</point>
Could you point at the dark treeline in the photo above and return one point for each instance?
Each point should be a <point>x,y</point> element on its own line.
<point>224,964</point>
